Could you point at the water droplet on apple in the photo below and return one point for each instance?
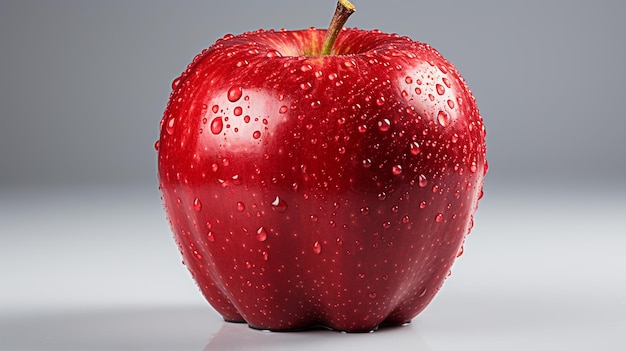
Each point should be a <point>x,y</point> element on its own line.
<point>238,111</point>
<point>261,234</point>
<point>422,293</point>
<point>384,125</point>
<point>273,53</point>
<point>382,196</point>
<point>380,101</point>
<point>217,125</point>
<point>215,108</point>
<point>306,68</point>
<point>169,127</point>
<point>365,210</point>
<point>422,181</point>
<point>210,237</point>
<point>157,144</point>
<point>283,109</point>
<point>473,167</point>
<point>197,205</point>
<point>241,206</point>
<point>317,247</point>
<point>362,128</point>
<point>446,81</point>
<point>443,118</point>
<point>234,93</point>
<point>460,253</point>
<point>439,217</point>
<point>176,83</point>
<point>414,148</point>
<point>396,170</point>
<point>450,103</point>
<point>418,91</point>
<point>440,89</point>
<point>372,295</point>
<point>306,86</point>
<point>256,134</point>
<point>313,218</point>
<point>387,224</point>
<point>406,219</point>
<point>279,205</point>
<point>316,104</point>
<point>408,80</point>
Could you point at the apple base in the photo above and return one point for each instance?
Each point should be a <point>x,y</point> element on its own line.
<point>315,326</point>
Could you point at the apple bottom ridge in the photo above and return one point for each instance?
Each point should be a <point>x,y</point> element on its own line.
<point>322,326</point>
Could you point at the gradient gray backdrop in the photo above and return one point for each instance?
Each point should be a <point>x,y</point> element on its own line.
<point>84,244</point>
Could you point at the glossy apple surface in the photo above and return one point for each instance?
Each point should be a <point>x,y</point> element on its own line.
<point>308,190</point>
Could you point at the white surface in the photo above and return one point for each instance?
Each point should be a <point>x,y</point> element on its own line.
<point>85,269</point>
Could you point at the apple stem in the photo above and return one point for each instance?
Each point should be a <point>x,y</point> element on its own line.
<point>343,11</point>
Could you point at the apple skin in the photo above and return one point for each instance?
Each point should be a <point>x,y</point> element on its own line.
<point>320,191</point>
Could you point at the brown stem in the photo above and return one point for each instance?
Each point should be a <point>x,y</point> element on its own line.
<point>343,11</point>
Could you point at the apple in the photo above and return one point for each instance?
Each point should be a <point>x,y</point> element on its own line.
<point>320,178</point>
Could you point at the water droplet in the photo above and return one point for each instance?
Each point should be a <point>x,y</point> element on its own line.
<point>317,247</point>
<point>273,53</point>
<point>380,101</point>
<point>210,237</point>
<point>382,196</point>
<point>446,81</point>
<point>157,144</point>
<point>423,205</point>
<point>197,205</point>
<point>241,206</point>
<point>238,111</point>
<point>450,104</point>
<point>305,68</point>
<point>362,128</point>
<point>422,293</point>
<point>435,188</point>
<point>418,91</point>
<point>460,253</point>
<point>408,80</point>
<point>415,148</point>
<point>422,182</point>
<point>440,89</point>
<point>473,167</point>
<point>387,225</point>
<point>367,163</point>
<point>246,119</point>
<point>217,125</point>
<point>438,217</point>
<point>283,109</point>
<point>266,255</point>
<point>256,134</point>
<point>261,234</point>
<point>234,93</point>
<point>406,219</point>
<point>279,205</point>
<point>313,218</point>
<point>384,125</point>
<point>396,170</point>
<point>316,104</point>
<point>169,127</point>
<point>365,210</point>
<point>306,86</point>
<point>431,97</point>
<point>176,83</point>
<point>372,295</point>
<point>443,118</point>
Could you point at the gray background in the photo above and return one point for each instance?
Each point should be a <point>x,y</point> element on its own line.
<point>84,84</point>
<point>87,260</point>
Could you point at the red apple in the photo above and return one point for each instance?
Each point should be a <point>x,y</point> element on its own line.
<point>309,189</point>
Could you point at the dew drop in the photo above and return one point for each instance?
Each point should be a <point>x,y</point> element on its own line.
<point>210,237</point>
<point>317,247</point>
<point>382,196</point>
<point>238,111</point>
<point>261,234</point>
<point>460,253</point>
<point>408,80</point>
<point>415,148</point>
<point>306,68</point>
<point>279,205</point>
<point>241,206</point>
<point>313,218</point>
<point>256,134</point>
<point>362,128</point>
<point>365,210</point>
<point>380,101</point>
<point>473,167</point>
<point>169,127</point>
<point>386,224</point>
<point>422,293</point>
<point>272,54</point>
<point>215,108</point>
<point>157,144</point>
<point>440,89</point>
<point>384,125</point>
<point>431,97</point>
<point>217,125</point>
<point>422,181</point>
<point>443,118</point>
<point>367,163</point>
<point>446,81</point>
<point>372,295</point>
<point>418,91</point>
<point>246,119</point>
<point>406,219</point>
<point>197,205</point>
<point>234,93</point>
<point>423,205</point>
<point>450,104</point>
<point>176,83</point>
<point>438,217</point>
<point>283,109</point>
<point>396,170</point>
